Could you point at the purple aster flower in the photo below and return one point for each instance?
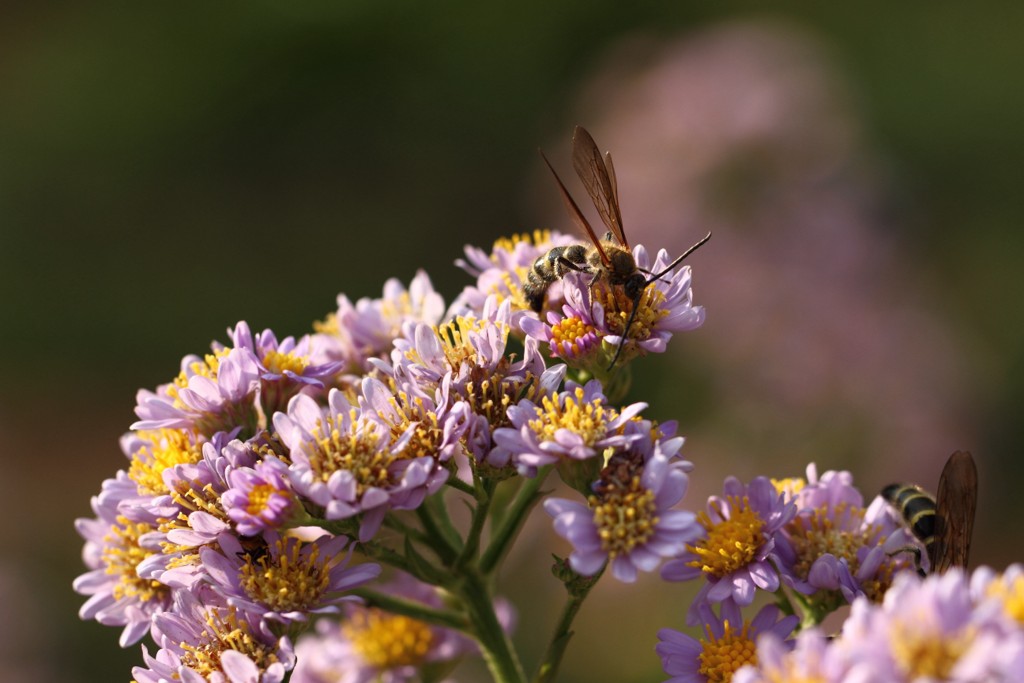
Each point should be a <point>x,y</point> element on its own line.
<point>595,310</point>
<point>737,553</point>
<point>285,367</point>
<point>198,516</point>
<point>153,452</point>
<point>114,548</point>
<point>360,332</point>
<point>575,424</point>
<point>261,498</point>
<point>728,644</point>
<point>834,544</point>
<point>209,396</point>
<point>348,463</point>
<point>468,359</point>
<point>806,658</point>
<point>929,629</point>
<point>285,579</point>
<point>437,422</point>
<point>372,645</point>
<point>203,640</point>
<point>1000,594</point>
<point>628,520</point>
<point>576,334</point>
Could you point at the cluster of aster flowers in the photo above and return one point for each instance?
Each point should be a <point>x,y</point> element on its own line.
<point>945,627</point>
<point>284,511</point>
<point>809,547</point>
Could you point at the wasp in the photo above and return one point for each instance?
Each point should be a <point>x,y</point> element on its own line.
<point>609,259</point>
<point>943,523</point>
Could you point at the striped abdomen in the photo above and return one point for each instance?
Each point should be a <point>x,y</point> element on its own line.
<point>917,508</point>
<point>549,267</point>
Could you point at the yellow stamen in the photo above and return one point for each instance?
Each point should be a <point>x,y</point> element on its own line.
<point>536,238</point>
<point>167,448</point>
<point>427,433</point>
<point>122,555</point>
<point>923,654</point>
<point>731,543</point>
<point>588,419</point>
<point>286,581</point>
<point>570,330</point>
<point>624,518</point>
<point>618,308</point>
<point>329,325</point>
<point>1011,592</point>
<point>356,451</point>
<point>721,657</point>
<point>790,485</point>
<point>225,632</point>
<point>191,497</point>
<point>277,362</point>
<point>387,641</point>
<point>816,534</point>
<point>208,367</point>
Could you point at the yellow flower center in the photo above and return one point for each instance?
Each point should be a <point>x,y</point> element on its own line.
<point>924,654</point>
<point>427,433</point>
<point>1011,593</point>
<point>587,419</point>
<point>329,325</point>
<point>396,309</point>
<point>225,633</point>
<point>191,498</point>
<point>457,341</point>
<point>491,395</point>
<point>288,581</point>
<point>387,641</point>
<point>790,485</point>
<point>277,362</point>
<point>816,534</point>
<point>122,554</point>
<point>625,517</point>
<point>168,447</point>
<point>537,237</point>
<point>618,308</point>
<point>259,496</point>
<point>208,367</point>
<point>731,543</point>
<point>510,286</point>
<point>721,657</point>
<point>355,451</point>
<point>571,331</point>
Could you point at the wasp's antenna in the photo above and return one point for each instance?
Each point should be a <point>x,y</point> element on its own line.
<point>679,260</point>
<point>636,301</point>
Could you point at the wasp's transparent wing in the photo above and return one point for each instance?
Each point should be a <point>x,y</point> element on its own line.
<point>575,213</point>
<point>955,504</point>
<point>598,176</point>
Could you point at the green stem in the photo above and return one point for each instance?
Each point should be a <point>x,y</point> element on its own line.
<point>514,517</point>
<point>579,588</point>
<point>460,485</point>
<point>439,509</point>
<point>392,522</point>
<point>413,609</point>
<point>494,644</point>
<point>485,494</point>
<point>438,542</point>
<point>387,556</point>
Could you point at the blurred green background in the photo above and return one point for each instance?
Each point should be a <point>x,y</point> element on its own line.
<point>166,172</point>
